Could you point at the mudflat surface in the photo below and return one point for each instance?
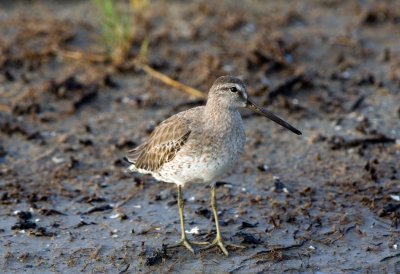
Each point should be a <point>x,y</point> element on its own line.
<point>324,202</point>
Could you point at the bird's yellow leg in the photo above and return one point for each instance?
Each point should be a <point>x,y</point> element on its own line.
<point>184,241</point>
<point>218,241</point>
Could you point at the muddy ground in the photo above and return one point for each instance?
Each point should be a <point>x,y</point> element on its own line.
<point>325,202</point>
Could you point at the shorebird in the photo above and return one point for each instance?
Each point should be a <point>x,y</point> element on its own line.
<point>199,145</point>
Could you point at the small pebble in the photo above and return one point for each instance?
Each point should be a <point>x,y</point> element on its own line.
<point>194,230</point>
<point>395,197</point>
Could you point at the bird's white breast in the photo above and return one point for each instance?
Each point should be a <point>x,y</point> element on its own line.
<point>206,158</point>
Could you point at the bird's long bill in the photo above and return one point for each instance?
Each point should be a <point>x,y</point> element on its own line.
<point>251,105</point>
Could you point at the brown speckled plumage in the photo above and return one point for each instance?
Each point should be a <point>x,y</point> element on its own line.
<point>162,146</point>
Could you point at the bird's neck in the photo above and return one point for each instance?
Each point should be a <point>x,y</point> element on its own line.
<point>217,115</point>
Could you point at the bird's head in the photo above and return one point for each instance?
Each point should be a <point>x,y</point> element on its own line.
<point>230,92</point>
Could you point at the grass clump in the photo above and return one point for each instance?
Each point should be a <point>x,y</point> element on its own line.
<point>117,31</point>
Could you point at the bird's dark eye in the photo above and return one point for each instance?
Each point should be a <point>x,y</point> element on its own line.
<point>233,89</point>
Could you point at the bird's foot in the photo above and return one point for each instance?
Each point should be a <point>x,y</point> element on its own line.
<point>200,243</point>
<point>222,245</point>
<point>184,242</point>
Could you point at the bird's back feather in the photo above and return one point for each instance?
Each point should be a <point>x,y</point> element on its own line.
<point>163,144</point>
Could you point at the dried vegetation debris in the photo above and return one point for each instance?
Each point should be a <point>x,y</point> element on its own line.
<point>381,12</point>
<point>154,257</point>
<point>270,53</point>
<point>24,222</point>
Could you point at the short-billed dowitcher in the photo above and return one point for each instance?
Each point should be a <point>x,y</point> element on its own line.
<point>200,144</point>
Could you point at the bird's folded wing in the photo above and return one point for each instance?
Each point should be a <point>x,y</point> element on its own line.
<point>162,146</point>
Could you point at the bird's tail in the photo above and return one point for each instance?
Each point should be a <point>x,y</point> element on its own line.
<point>132,167</point>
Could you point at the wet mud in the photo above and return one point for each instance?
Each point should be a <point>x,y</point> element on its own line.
<point>325,202</point>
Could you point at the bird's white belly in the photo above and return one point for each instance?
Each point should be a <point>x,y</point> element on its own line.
<point>201,169</point>
<point>195,170</point>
